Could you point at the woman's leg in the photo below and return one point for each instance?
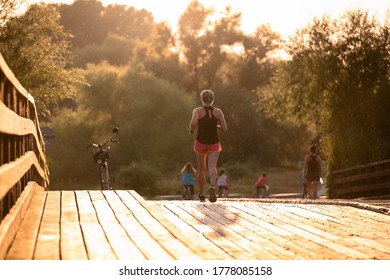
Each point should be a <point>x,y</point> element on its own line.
<point>213,175</point>
<point>201,158</point>
<point>212,167</point>
<point>314,188</point>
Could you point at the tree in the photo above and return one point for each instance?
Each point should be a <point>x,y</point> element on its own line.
<point>258,65</point>
<point>83,20</point>
<point>8,9</point>
<point>337,81</point>
<point>37,49</point>
<point>128,22</point>
<point>153,128</point>
<point>253,136</point>
<point>191,24</point>
<point>205,43</point>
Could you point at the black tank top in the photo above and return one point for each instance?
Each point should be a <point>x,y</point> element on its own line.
<point>207,128</point>
<point>313,165</point>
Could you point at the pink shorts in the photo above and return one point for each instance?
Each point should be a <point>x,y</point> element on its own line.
<point>206,148</point>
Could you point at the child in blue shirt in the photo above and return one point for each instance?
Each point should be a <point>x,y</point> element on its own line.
<point>188,179</point>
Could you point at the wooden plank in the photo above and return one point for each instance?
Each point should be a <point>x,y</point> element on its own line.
<point>23,246</point>
<point>11,77</point>
<point>354,168</point>
<point>287,245</point>
<point>363,176</point>
<point>11,173</point>
<point>72,242</point>
<point>363,221</point>
<point>48,242</point>
<point>361,188</point>
<point>318,250</point>
<point>335,231</point>
<point>222,214</point>
<point>197,243</point>
<point>283,246</point>
<point>172,245</point>
<point>321,236</point>
<point>97,245</point>
<point>145,243</point>
<point>119,239</point>
<point>10,225</point>
<point>122,225</point>
<point>206,249</point>
<point>224,237</point>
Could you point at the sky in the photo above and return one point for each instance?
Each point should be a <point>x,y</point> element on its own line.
<point>284,16</point>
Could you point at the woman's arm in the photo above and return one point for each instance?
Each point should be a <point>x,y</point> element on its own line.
<point>221,120</point>
<point>194,120</point>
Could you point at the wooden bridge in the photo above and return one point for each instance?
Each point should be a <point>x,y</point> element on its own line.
<point>76,225</point>
<point>80,225</point>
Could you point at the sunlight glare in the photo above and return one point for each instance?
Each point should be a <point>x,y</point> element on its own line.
<point>284,16</point>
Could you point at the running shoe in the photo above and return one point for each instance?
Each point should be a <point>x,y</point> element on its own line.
<point>213,196</point>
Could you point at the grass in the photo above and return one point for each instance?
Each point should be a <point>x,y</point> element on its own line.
<point>279,180</point>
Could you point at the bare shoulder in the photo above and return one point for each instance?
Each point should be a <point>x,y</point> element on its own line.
<point>197,110</point>
<point>217,112</point>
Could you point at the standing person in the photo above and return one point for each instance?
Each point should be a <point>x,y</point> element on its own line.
<point>223,184</point>
<point>261,184</point>
<point>188,175</point>
<point>208,120</point>
<point>312,168</point>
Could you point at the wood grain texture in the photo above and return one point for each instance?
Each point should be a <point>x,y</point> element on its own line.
<point>99,225</point>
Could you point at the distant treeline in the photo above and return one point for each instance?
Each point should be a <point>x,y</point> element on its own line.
<point>93,67</point>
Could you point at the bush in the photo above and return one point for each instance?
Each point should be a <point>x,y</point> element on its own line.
<point>139,176</point>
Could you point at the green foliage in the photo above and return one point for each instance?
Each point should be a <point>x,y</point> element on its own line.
<point>83,20</point>
<point>257,66</point>
<point>37,49</point>
<point>202,42</point>
<point>337,82</point>
<point>8,9</point>
<point>143,78</point>
<point>115,49</point>
<point>70,163</point>
<point>114,33</point>
<point>139,176</point>
<point>253,136</point>
<point>152,115</point>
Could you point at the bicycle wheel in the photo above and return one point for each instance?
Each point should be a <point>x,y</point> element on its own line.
<point>104,177</point>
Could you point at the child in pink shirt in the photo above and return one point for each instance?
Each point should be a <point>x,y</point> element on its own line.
<point>261,183</point>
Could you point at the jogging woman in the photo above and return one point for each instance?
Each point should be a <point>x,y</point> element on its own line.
<point>208,120</point>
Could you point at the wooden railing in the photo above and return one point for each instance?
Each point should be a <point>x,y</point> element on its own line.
<point>22,150</point>
<point>368,180</point>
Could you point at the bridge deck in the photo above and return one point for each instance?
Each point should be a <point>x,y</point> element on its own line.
<point>121,225</point>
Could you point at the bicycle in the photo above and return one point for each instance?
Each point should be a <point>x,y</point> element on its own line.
<point>101,155</point>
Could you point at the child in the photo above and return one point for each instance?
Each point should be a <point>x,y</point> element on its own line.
<point>188,173</point>
<point>223,184</point>
<point>261,183</point>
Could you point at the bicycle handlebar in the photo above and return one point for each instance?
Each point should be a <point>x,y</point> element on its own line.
<point>110,140</point>
<point>102,145</point>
